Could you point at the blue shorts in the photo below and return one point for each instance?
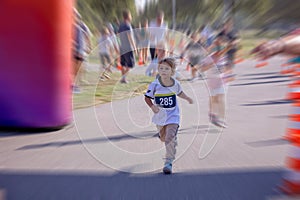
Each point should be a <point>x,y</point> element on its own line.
<point>127,59</point>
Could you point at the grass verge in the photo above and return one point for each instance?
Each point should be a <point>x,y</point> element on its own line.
<point>99,92</point>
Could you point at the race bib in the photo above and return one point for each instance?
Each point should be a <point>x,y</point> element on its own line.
<point>166,100</point>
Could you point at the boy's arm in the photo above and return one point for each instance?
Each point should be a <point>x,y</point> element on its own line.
<point>132,43</point>
<point>153,107</point>
<point>115,44</point>
<point>184,96</point>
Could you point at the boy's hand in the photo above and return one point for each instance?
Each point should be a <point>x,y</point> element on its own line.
<point>155,109</point>
<point>190,100</point>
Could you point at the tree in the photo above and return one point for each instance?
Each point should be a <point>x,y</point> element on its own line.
<point>97,12</point>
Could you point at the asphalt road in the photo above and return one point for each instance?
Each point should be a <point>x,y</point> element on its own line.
<point>111,151</point>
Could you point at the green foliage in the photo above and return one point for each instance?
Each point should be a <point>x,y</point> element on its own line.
<point>193,13</point>
<point>248,13</point>
<point>99,92</point>
<point>98,12</point>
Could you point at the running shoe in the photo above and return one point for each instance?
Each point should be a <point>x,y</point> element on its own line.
<point>167,168</point>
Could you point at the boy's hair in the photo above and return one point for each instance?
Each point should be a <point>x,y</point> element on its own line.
<point>170,62</point>
<point>126,13</point>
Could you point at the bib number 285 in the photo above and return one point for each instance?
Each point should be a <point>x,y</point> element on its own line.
<point>166,101</point>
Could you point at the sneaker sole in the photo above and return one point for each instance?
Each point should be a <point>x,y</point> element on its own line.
<point>167,171</point>
<point>219,125</point>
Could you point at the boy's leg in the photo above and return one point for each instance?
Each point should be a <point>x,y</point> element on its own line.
<point>214,110</point>
<point>82,74</point>
<point>124,68</point>
<point>125,71</point>
<point>145,54</point>
<point>211,115</point>
<point>127,63</point>
<point>108,63</point>
<point>219,105</point>
<point>214,105</point>
<point>76,67</point>
<point>170,143</point>
<point>194,71</point>
<point>152,52</point>
<point>77,64</point>
<point>104,62</point>
<point>161,133</point>
<point>221,100</point>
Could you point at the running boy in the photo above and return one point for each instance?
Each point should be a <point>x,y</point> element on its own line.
<point>215,64</point>
<point>163,92</point>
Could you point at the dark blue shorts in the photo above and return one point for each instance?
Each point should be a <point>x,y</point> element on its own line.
<point>127,60</point>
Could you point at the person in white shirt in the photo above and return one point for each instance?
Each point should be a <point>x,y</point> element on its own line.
<point>161,98</point>
<point>105,52</point>
<point>158,31</point>
<point>215,64</point>
<point>160,51</point>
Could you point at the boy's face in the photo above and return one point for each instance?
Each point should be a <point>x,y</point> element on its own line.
<point>164,70</point>
<point>129,17</point>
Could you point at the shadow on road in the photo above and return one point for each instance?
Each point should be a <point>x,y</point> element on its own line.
<point>256,184</point>
<point>15,131</point>
<point>265,143</point>
<point>273,102</point>
<point>280,117</point>
<point>93,140</point>
<point>258,83</point>
<point>267,77</point>
<point>261,74</point>
<point>202,129</point>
